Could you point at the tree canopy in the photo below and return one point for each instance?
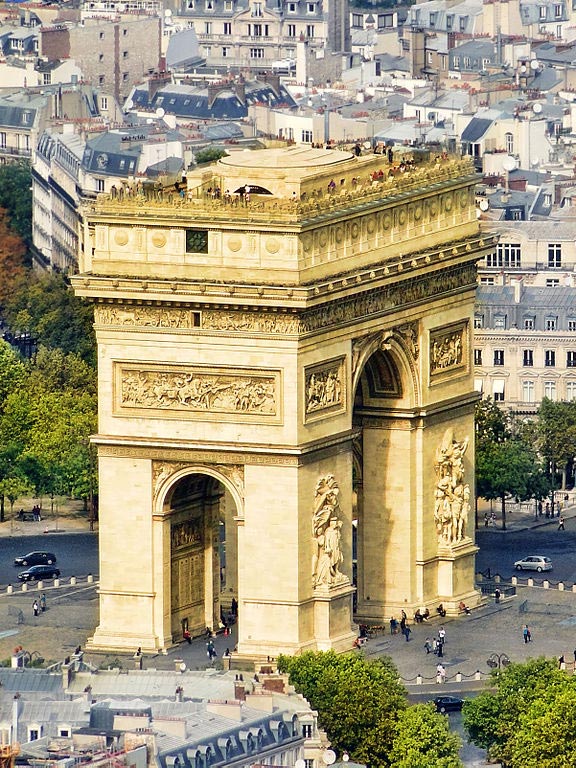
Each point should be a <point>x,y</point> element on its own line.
<point>507,459</point>
<point>16,198</point>
<point>529,720</point>
<point>362,707</point>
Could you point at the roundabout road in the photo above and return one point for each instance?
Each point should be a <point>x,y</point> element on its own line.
<point>76,553</point>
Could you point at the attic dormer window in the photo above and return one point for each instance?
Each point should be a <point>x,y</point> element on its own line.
<point>209,6</point>
<point>433,18</point>
<point>547,201</point>
<point>256,9</point>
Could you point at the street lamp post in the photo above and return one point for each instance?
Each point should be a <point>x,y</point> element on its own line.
<point>498,661</point>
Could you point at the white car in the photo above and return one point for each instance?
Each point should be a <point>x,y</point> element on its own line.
<point>534,563</point>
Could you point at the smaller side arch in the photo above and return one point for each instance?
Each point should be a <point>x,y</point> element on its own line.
<point>230,475</point>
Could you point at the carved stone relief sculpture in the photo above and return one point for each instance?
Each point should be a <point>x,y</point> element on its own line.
<point>326,531</point>
<point>324,387</point>
<point>448,349</point>
<point>452,495</point>
<point>194,390</point>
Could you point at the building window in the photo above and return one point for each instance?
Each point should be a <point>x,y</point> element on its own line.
<point>528,358</point>
<point>498,357</point>
<point>498,390</point>
<point>101,35</point>
<point>477,357</point>
<point>486,281</point>
<point>462,22</point>
<point>571,390</point>
<point>571,359</point>
<point>124,54</point>
<point>385,20</point>
<point>456,62</point>
<point>449,21</point>
<point>101,79</point>
<point>307,730</point>
<point>550,390</point>
<point>549,358</point>
<point>100,57</point>
<point>478,385</point>
<point>357,20</point>
<point>292,7</point>
<point>528,391</point>
<point>509,139</point>
<point>125,77</point>
<point>308,763</point>
<point>542,12</point>
<point>478,321</point>
<point>309,30</point>
<point>433,19</point>
<point>558,11</point>
<point>311,7</point>
<point>257,9</point>
<point>227,27</point>
<point>528,323</point>
<point>552,282</point>
<point>226,52</point>
<point>551,323</point>
<point>124,32</point>
<point>47,78</point>
<point>99,185</point>
<point>306,137</point>
<point>207,27</point>
<point>3,140</point>
<point>291,30</point>
<point>466,62</point>
<point>554,255</point>
<point>500,322</point>
<point>507,255</point>
<point>104,102</point>
<point>572,325</point>
<point>256,53</point>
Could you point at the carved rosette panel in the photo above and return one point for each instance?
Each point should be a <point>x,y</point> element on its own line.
<point>152,317</point>
<point>449,351</point>
<point>195,391</point>
<point>325,389</point>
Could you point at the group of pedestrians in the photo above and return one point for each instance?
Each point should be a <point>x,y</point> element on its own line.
<point>39,605</point>
<point>436,644</point>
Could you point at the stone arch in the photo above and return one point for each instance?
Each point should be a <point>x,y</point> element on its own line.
<point>196,509</point>
<point>402,350</point>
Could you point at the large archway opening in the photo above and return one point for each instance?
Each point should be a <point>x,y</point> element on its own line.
<point>382,401</point>
<point>203,555</point>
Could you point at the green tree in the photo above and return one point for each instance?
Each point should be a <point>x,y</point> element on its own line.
<point>13,488</point>
<point>16,197</point>
<point>423,739</point>
<point>507,722</point>
<point>358,701</point>
<point>46,307</point>
<point>557,430</point>
<point>210,155</point>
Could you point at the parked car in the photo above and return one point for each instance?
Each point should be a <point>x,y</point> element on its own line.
<point>36,558</point>
<point>534,563</point>
<point>39,573</point>
<point>448,704</point>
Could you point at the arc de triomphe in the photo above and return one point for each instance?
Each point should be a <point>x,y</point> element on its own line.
<point>285,397</point>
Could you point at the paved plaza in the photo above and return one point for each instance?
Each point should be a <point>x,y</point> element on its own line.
<point>72,615</point>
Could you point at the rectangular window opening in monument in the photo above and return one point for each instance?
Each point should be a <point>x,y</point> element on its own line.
<point>196,241</point>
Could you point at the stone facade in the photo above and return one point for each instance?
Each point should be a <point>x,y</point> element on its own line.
<point>283,357</point>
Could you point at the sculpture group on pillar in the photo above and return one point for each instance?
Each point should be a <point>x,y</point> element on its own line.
<point>326,530</point>
<point>452,495</point>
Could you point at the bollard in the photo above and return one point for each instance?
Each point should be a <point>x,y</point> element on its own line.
<point>563,666</point>
<point>458,677</point>
<point>9,589</point>
<point>90,579</point>
<point>546,585</point>
<point>56,582</point>
<point>514,580</point>
<point>419,680</point>
<point>39,585</point>
<point>72,581</point>
<point>530,582</point>
<point>24,587</point>
<point>560,586</point>
<point>477,675</point>
<point>497,578</point>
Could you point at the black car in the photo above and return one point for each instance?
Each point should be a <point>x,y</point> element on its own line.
<point>39,573</point>
<point>36,558</point>
<point>448,704</point>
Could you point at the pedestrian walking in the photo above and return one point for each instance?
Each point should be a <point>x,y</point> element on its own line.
<point>439,649</point>
<point>434,645</point>
<point>497,595</point>
<point>428,647</point>
<point>526,633</point>
<point>407,632</point>
<point>187,636</point>
<point>442,635</point>
<point>35,608</point>
<point>561,524</point>
<point>440,674</point>
<point>43,602</point>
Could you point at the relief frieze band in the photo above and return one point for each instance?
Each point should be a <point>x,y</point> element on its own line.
<point>194,390</point>
<point>332,313</point>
